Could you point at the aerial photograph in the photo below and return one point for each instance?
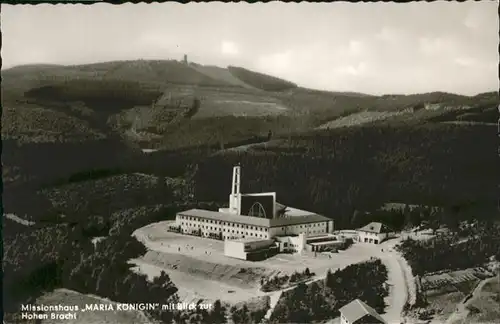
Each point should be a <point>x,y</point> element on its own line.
<point>236,163</point>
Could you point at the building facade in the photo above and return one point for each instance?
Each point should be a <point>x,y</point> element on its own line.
<point>209,223</point>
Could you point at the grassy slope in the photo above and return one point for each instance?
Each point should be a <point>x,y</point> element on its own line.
<point>486,305</point>
<point>260,80</point>
<point>219,73</point>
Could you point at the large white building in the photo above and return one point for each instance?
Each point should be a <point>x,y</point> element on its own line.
<point>255,217</point>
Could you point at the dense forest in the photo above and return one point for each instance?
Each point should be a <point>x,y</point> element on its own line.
<point>339,171</point>
<point>106,95</point>
<point>335,172</point>
<point>225,132</point>
<point>44,163</point>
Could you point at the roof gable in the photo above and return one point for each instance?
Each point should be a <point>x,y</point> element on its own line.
<point>357,310</point>
<point>369,319</point>
<point>375,227</point>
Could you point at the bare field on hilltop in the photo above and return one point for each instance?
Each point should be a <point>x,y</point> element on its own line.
<point>446,291</point>
<point>484,306</point>
<point>221,103</point>
<point>360,118</point>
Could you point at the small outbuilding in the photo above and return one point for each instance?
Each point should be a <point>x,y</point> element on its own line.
<point>358,312</point>
<point>374,232</point>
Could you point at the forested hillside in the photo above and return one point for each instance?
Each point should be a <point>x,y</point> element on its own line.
<point>107,95</point>
<point>336,172</point>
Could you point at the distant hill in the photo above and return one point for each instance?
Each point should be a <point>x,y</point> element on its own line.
<point>30,68</point>
<point>166,104</point>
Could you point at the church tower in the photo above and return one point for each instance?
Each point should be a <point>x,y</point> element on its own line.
<point>235,197</point>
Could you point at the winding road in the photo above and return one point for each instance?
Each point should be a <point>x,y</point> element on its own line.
<point>402,287</point>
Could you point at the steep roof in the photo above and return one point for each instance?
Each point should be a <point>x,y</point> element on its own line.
<point>255,221</point>
<point>280,206</point>
<point>296,220</point>
<point>290,211</point>
<point>357,309</point>
<point>293,212</point>
<point>225,217</point>
<point>375,227</point>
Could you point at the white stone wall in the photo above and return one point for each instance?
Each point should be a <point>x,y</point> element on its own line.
<point>299,242</point>
<point>292,243</point>
<point>234,249</point>
<point>330,227</point>
<point>371,236</point>
<point>252,246</point>
<point>228,229</point>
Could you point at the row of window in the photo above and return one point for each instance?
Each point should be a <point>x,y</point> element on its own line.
<point>304,226</point>
<point>210,221</point>
<point>232,237</point>
<point>213,228</point>
<point>232,231</point>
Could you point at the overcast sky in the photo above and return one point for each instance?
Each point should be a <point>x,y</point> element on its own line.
<point>373,48</point>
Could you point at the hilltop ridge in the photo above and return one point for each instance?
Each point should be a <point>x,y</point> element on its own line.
<point>149,102</point>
